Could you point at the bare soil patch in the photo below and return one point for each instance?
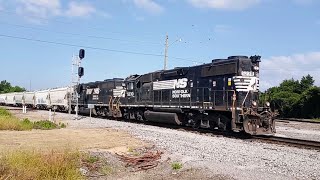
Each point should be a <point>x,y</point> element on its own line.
<point>82,139</point>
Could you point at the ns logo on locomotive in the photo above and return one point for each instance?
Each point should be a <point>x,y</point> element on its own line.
<point>222,94</point>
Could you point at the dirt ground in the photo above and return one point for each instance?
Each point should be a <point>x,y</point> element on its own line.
<point>102,142</point>
<point>59,139</point>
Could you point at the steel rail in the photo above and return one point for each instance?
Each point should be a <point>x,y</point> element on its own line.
<point>290,141</point>
<point>298,120</point>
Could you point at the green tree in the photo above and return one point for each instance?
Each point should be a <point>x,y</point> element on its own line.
<point>310,103</point>
<point>306,82</point>
<point>293,98</point>
<point>5,87</point>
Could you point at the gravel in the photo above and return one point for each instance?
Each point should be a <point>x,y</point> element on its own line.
<point>235,158</point>
<point>240,159</point>
<point>299,130</point>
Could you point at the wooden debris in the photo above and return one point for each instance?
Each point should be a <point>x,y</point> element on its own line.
<point>146,161</point>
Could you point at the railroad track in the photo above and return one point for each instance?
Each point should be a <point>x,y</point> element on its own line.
<point>300,143</point>
<point>298,120</point>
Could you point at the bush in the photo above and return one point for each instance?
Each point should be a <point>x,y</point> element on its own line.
<point>44,125</point>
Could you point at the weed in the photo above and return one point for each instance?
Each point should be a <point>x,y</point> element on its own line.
<point>176,166</point>
<point>91,159</point>
<point>37,165</point>
<point>106,170</point>
<point>4,112</point>
<point>62,125</point>
<point>44,125</point>
<point>9,122</point>
<point>130,150</point>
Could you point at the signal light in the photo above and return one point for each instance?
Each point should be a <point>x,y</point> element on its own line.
<point>81,53</point>
<point>81,71</point>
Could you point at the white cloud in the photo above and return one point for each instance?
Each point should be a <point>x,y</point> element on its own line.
<point>149,5</point>
<point>277,68</point>
<point>36,10</point>
<point>76,9</point>
<point>224,4</point>
<point>39,8</point>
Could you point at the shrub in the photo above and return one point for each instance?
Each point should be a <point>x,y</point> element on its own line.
<point>44,125</point>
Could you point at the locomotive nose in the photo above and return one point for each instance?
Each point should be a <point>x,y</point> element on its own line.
<point>259,125</point>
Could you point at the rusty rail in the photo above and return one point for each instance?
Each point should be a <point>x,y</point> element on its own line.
<point>290,141</point>
<point>297,120</point>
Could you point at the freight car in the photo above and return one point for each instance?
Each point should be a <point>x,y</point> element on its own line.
<point>222,95</point>
<point>29,99</point>
<point>58,98</point>
<point>2,99</point>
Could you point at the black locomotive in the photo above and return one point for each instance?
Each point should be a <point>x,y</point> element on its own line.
<point>222,95</point>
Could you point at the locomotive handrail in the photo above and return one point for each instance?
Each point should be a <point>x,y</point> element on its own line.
<point>199,100</point>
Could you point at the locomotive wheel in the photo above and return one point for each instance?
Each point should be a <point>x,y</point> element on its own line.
<point>138,115</point>
<point>224,123</point>
<point>197,121</point>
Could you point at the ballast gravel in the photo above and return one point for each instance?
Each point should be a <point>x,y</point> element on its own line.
<point>299,130</point>
<point>237,158</point>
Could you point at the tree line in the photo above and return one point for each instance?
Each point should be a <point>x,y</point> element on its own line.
<point>6,87</point>
<point>294,98</point>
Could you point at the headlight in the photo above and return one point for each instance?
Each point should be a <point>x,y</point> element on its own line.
<point>254,103</point>
<point>255,68</point>
<point>267,104</point>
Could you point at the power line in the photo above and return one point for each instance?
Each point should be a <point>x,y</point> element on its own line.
<point>71,23</point>
<point>92,47</point>
<point>77,34</point>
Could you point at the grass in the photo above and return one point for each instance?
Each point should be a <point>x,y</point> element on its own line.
<point>317,119</point>
<point>106,170</point>
<point>10,122</point>
<point>36,165</point>
<point>91,159</point>
<point>176,166</point>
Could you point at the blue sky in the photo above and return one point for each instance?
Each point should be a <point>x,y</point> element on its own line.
<point>285,33</point>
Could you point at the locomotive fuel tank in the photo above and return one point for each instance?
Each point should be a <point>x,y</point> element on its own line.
<point>163,117</point>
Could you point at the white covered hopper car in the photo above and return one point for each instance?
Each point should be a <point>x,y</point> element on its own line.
<point>10,99</point>
<point>2,99</point>
<point>19,98</point>
<point>59,98</point>
<point>42,100</point>
<point>29,99</point>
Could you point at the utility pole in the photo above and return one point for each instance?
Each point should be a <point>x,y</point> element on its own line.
<point>166,53</point>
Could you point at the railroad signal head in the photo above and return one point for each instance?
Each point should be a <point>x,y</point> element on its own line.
<point>79,89</point>
<point>81,53</point>
<point>81,71</point>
